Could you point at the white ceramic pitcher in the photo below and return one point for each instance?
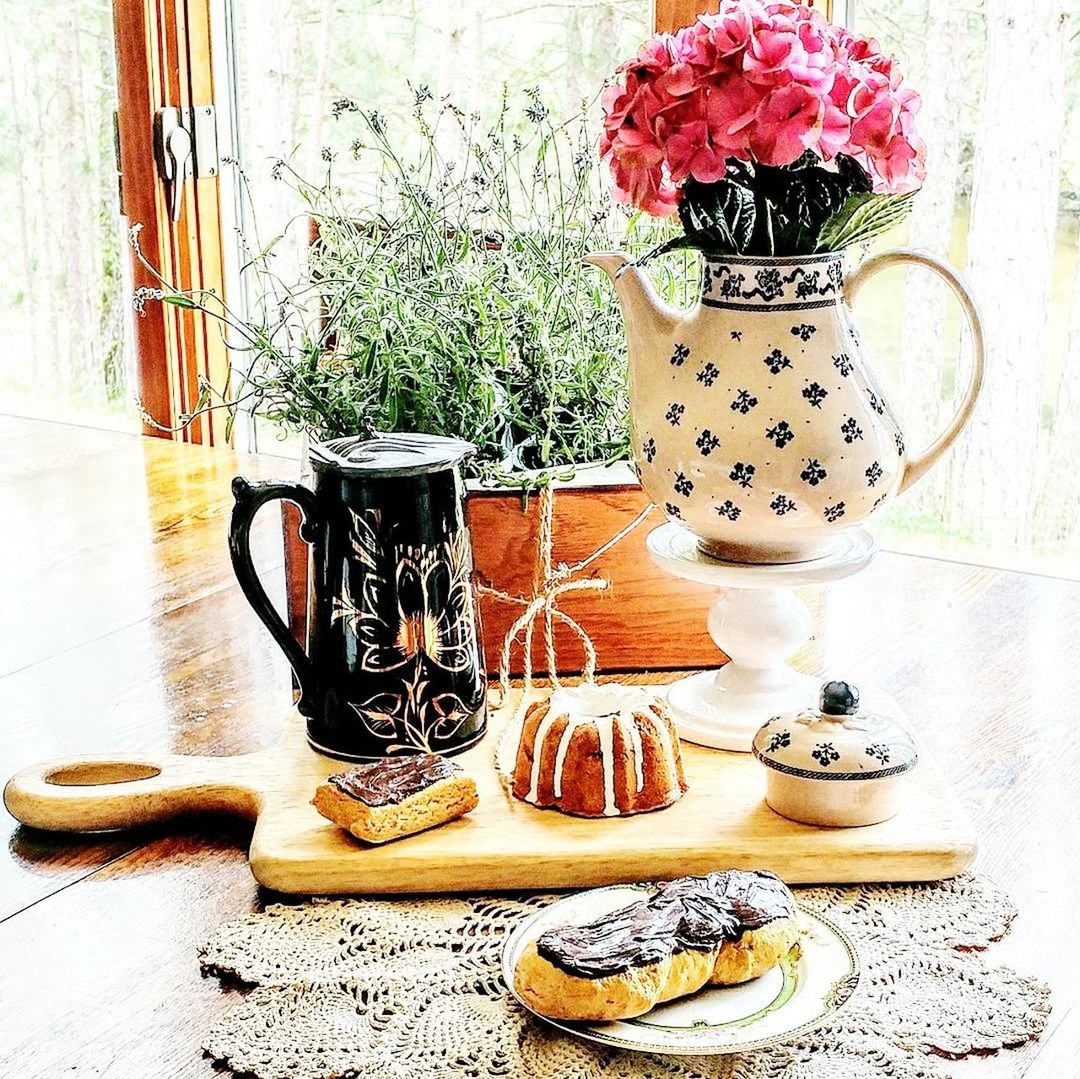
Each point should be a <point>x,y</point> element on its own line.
<point>757,419</point>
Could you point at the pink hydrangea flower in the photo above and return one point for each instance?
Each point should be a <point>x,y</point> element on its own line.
<point>731,109</point>
<point>774,54</point>
<point>762,82</point>
<point>690,151</point>
<point>786,123</point>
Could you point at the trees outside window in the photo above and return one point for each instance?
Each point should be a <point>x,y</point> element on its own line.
<point>1000,87</point>
<point>66,347</point>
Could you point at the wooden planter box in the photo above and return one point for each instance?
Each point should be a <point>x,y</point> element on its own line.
<point>647,620</point>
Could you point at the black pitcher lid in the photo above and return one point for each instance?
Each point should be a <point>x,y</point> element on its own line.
<point>407,454</point>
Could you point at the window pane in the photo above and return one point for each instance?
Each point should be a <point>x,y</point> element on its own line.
<point>293,59</point>
<point>62,309</point>
<point>1001,202</point>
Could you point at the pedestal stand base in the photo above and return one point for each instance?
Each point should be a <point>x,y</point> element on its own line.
<point>723,709</point>
<point>757,620</point>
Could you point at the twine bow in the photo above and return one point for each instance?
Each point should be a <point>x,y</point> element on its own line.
<point>555,581</point>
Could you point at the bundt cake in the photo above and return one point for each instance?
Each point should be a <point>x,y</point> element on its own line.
<point>599,751</point>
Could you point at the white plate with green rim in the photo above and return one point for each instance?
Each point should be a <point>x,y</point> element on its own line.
<point>808,988</point>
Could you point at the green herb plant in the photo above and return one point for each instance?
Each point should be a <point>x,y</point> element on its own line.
<point>453,301</point>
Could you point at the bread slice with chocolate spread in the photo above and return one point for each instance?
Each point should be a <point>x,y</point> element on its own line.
<point>396,796</point>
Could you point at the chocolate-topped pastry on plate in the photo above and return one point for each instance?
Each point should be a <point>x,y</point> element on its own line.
<point>396,796</point>
<point>719,929</point>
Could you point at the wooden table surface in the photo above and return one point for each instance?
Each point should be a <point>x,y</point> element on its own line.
<point>121,629</point>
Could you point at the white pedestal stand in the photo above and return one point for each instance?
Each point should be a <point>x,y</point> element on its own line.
<point>758,621</point>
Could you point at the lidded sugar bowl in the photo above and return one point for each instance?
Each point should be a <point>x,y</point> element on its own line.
<point>835,764</point>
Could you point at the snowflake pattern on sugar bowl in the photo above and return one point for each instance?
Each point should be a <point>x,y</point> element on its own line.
<point>757,414</point>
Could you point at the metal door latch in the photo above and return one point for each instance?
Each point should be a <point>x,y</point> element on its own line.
<point>185,146</point>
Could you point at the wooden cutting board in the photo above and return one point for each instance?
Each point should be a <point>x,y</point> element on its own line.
<point>722,821</point>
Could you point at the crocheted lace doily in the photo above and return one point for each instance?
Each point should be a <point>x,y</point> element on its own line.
<point>411,988</point>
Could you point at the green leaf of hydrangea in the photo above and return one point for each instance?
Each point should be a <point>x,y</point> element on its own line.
<point>718,217</point>
<point>797,200</point>
<point>862,217</point>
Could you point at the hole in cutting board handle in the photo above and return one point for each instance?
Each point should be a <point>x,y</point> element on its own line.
<point>99,773</point>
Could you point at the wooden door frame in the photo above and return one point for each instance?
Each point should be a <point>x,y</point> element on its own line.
<point>163,57</point>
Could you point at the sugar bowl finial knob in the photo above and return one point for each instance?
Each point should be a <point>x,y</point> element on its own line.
<point>835,765</point>
<point>839,699</point>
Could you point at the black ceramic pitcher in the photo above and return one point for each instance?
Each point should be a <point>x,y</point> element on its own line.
<point>394,661</point>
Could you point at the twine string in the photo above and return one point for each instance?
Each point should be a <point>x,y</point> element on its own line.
<point>555,581</point>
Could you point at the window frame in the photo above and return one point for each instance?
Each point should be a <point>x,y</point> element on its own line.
<point>164,57</point>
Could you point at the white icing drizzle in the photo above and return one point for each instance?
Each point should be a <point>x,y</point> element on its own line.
<point>538,746</point>
<point>664,733</point>
<point>605,728</point>
<point>572,724</point>
<point>604,732</point>
<point>566,704</point>
<point>637,751</point>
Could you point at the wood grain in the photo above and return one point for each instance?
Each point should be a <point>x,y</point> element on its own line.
<point>122,626</point>
<point>640,594</point>
<point>505,532</point>
<point>103,980</point>
<point>142,197</point>
<point>100,933</point>
<point>722,820</point>
<point>163,58</point>
<point>670,15</point>
<point>106,538</point>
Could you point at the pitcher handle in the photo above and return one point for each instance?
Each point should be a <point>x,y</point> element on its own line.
<point>916,467</point>
<point>250,498</point>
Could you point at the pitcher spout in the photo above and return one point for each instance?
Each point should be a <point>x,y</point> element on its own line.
<point>648,319</point>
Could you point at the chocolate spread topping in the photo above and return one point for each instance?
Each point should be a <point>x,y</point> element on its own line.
<point>688,914</point>
<point>393,779</point>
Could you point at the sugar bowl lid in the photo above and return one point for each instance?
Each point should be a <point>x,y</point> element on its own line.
<point>405,454</point>
<point>836,740</point>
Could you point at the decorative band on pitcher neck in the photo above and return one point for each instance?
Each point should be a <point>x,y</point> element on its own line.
<point>773,284</point>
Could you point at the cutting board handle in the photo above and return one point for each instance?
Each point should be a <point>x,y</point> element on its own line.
<point>92,794</point>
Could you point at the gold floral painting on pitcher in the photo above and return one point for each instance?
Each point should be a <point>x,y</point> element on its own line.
<point>411,618</point>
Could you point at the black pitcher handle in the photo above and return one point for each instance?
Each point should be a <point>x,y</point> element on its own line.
<point>250,498</point>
